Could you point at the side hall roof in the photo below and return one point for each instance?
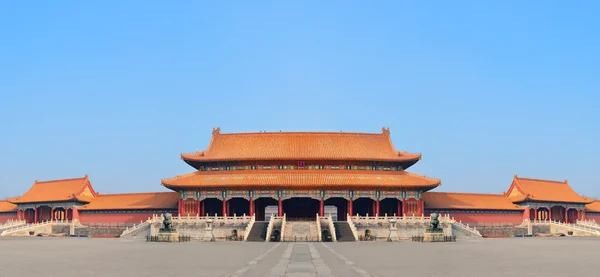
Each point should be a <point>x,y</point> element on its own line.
<point>593,207</point>
<point>524,189</point>
<point>58,190</point>
<point>301,146</point>
<point>301,179</point>
<point>134,201</point>
<point>468,201</point>
<point>7,207</point>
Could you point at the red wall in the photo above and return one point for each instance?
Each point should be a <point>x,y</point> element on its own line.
<point>113,217</point>
<point>592,216</point>
<point>485,217</point>
<point>5,217</point>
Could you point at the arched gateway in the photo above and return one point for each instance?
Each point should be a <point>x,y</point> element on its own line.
<point>300,173</point>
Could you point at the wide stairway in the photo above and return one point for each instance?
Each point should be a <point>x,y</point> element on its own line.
<point>343,231</point>
<point>258,232</point>
<point>301,231</point>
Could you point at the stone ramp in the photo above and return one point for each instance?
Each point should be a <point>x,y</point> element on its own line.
<point>26,229</point>
<point>301,231</point>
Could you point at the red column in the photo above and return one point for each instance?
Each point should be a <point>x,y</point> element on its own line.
<point>322,207</point>
<point>74,213</point>
<point>566,215</point>
<point>377,207</point>
<point>198,206</point>
<point>224,207</point>
<point>550,213</point>
<point>202,209</point>
<point>373,209</point>
<point>51,213</point>
<point>251,206</point>
<point>350,202</point>
<point>399,213</point>
<point>35,214</point>
<point>280,207</point>
<point>535,214</point>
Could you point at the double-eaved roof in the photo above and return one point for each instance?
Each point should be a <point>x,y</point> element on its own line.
<point>272,146</point>
<point>78,189</point>
<point>528,189</point>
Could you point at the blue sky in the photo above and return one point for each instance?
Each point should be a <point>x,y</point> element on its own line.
<point>118,89</point>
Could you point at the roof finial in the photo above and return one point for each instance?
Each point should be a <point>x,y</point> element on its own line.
<point>385,131</point>
<point>216,131</point>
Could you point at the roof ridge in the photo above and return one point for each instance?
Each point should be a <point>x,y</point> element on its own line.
<point>543,180</point>
<point>302,133</point>
<point>135,193</point>
<point>61,180</point>
<point>467,193</point>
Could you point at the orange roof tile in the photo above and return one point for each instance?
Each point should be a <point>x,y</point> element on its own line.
<point>545,190</point>
<point>301,146</point>
<point>593,207</point>
<point>468,201</point>
<point>57,190</point>
<point>301,178</point>
<point>6,207</point>
<point>134,201</point>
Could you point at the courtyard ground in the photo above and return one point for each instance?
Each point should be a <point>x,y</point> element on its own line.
<point>118,257</point>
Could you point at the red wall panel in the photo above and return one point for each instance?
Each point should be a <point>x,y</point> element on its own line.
<point>595,217</point>
<point>485,217</point>
<point>114,217</point>
<point>6,217</point>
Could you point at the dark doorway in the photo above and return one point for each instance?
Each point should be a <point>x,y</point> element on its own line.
<point>301,208</point>
<point>390,207</point>
<point>363,206</point>
<point>213,206</point>
<point>341,204</point>
<point>238,207</point>
<point>260,204</point>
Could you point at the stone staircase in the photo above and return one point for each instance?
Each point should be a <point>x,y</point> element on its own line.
<point>11,224</point>
<point>343,231</point>
<point>301,231</point>
<point>26,229</point>
<point>258,231</point>
<point>137,231</point>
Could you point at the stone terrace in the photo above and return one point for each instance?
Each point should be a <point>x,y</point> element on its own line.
<point>559,256</point>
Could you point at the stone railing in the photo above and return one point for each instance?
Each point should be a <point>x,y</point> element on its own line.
<point>12,223</point>
<point>24,227</point>
<point>588,223</point>
<point>249,227</point>
<point>589,230</point>
<point>464,227</point>
<point>352,227</point>
<point>283,223</point>
<point>270,228</point>
<point>319,236</point>
<point>366,220</point>
<point>137,227</point>
<point>331,227</point>
<point>202,219</point>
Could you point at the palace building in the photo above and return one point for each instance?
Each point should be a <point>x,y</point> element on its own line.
<point>299,174</point>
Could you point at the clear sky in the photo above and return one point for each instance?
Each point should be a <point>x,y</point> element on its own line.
<point>118,89</point>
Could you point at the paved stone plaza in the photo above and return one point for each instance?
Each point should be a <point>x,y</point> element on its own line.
<point>118,257</point>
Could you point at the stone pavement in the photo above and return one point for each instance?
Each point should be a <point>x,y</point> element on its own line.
<point>120,257</point>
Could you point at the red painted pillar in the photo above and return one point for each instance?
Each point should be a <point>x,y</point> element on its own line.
<point>280,207</point>
<point>377,207</point>
<point>35,214</point>
<point>566,217</point>
<point>322,207</point>
<point>198,206</point>
<point>535,214</point>
<point>350,204</point>
<point>75,213</point>
<point>399,212</point>
<point>404,205</point>
<point>224,207</point>
<point>550,213</point>
<point>202,208</point>
<point>251,206</point>
<point>373,209</point>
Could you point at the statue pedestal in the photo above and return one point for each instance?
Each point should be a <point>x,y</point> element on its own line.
<point>168,237</point>
<point>433,237</point>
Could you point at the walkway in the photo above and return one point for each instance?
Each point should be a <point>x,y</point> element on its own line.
<point>83,257</point>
